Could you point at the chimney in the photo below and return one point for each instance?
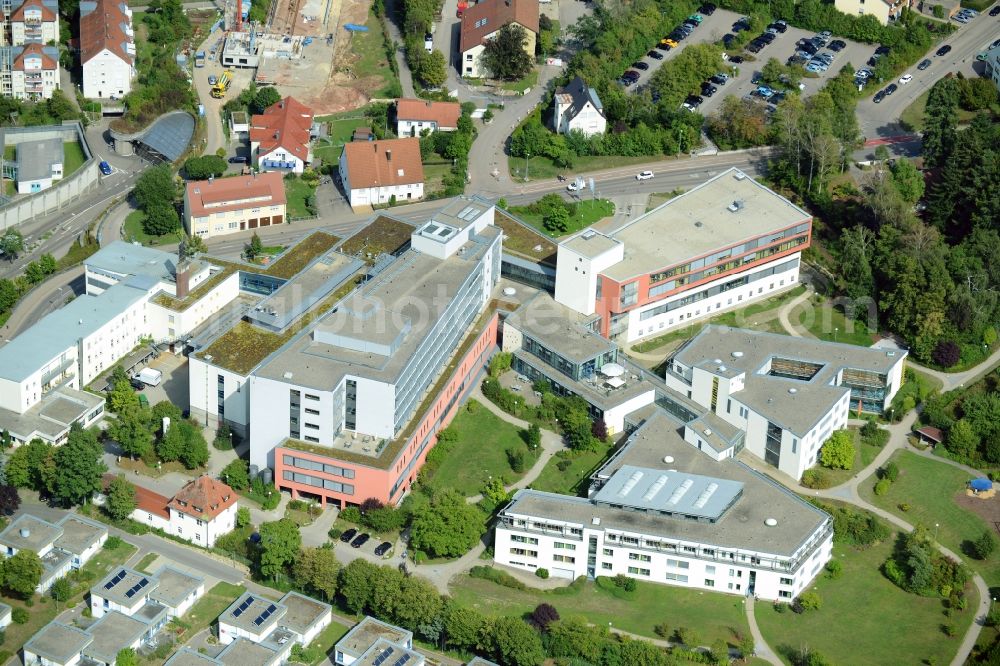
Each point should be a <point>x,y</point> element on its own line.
<point>388,155</point>
<point>183,279</point>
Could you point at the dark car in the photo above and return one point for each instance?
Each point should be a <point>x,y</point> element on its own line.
<point>995,11</point>
<point>383,548</point>
<point>719,79</point>
<point>707,89</point>
<point>943,50</point>
<point>767,37</point>
<point>742,24</point>
<point>348,535</point>
<point>707,9</point>
<point>924,64</point>
<point>872,61</point>
<point>882,50</point>
<point>780,26</point>
<point>879,96</point>
<point>655,55</point>
<point>663,47</point>
<point>891,88</point>
<point>809,48</point>
<point>837,45</point>
<point>638,64</point>
<point>691,23</point>
<point>694,100</point>
<point>676,35</point>
<point>237,160</point>
<point>360,540</point>
<point>136,383</point>
<point>737,60</point>
<point>728,39</point>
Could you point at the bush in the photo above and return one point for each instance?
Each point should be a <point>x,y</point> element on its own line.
<point>19,616</point>
<point>334,533</point>
<point>946,354</point>
<point>810,600</point>
<point>882,486</point>
<point>949,629</point>
<point>662,630</point>
<point>984,546</point>
<point>834,569</point>
<point>686,636</point>
<point>517,459</point>
<point>496,576</point>
<point>904,506</point>
<point>890,472</point>
<point>351,514</point>
<point>113,543</point>
<point>624,582</point>
<point>542,573</point>
<point>814,478</point>
<point>544,615</point>
<point>780,607</point>
<point>938,11</point>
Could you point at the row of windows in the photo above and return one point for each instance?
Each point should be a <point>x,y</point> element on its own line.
<point>524,553</point>
<point>309,480</point>
<point>304,463</point>
<point>523,539</point>
<point>569,559</point>
<point>559,545</point>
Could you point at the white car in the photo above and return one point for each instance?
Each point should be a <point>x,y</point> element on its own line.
<point>644,175</point>
<point>906,78</point>
<point>575,186</point>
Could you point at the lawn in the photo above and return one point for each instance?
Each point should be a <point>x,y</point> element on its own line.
<point>144,563</point>
<point>745,317</point>
<point>206,610</point>
<point>479,453</point>
<point>434,175</point>
<point>568,472</point>
<point>588,211</point>
<point>929,487</point>
<point>340,132</point>
<point>133,231</point>
<point>542,168</point>
<point>529,81</point>
<point>522,240</point>
<point>826,321</point>
<point>711,615</point>
<point>296,192</point>
<point>865,619</point>
<point>372,58</point>
<point>864,454</point>
<point>327,639</point>
<point>73,157</point>
<point>657,199</point>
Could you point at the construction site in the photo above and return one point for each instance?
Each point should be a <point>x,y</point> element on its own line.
<point>304,50</point>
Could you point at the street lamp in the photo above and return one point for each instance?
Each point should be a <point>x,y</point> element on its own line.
<point>936,526</point>
<point>835,331</point>
<point>527,155</point>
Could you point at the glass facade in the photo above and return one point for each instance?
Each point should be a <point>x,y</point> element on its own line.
<point>572,370</point>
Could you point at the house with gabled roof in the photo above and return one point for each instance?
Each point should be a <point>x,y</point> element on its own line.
<point>483,21</point>
<point>577,107</point>
<point>413,116</point>
<point>32,22</point>
<point>280,137</point>
<point>107,48</point>
<point>378,172</point>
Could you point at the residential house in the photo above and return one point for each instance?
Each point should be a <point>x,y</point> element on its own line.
<point>482,21</point>
<point>31,22</point>
<point>107,48</point>
<point>380,172</point>
<point>413,116</point>
<point>280,138</point>
<point>220,206</point>
<point>883,10</point>
<point>29,72</point>
<point>202,510</point>
<point>577,107</point>
<point>62,547</point>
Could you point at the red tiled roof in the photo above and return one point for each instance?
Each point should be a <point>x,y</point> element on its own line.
<point>203,498</point>
<point>384,163</point>
<point>145,499</point>
<point>930,432</point>
<point>33,49</point>
<point>18,14</point>
<point>284,124</point>
<point>102,29</point>
<point>227,194</point>
<point>487,17</point>
<point>445,114</point>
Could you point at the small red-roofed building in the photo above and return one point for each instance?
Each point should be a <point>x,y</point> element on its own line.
<point>413,116</point>
<point>220,206</point>
<point>380,172</point>
<point>280,137</point>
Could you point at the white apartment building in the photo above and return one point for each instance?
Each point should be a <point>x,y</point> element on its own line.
<point>165,595</point>
<point>724,244</point>
<point>378,172</point>
<point>29,72</point>
<point>277,625</point>
<point>31,22</point>
<point>787,394</point>
<point>670,509</point>
<point>62,547</point>
<point>359,641</point>
<point>578,108</point>
<point>220,206</point>
<point>107,48</point>
<point>413,116</point>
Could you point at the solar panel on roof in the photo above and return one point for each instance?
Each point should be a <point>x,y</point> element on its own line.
<point>402,660</point>
<point>386,653</point>
<point>114,581</point>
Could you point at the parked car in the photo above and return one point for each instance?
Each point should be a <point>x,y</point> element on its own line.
<point>707,89</point>
<point>707,9</point>
<point>995,11</point>
<point>669,42</point>
<point>348,535</point>
<point>238,159</point>
<point>755,46</point>
<point>891,88</point>
<point>728,39</point>
<point>879,96</point>
<point>360,540</point>
<point>738,60</point>
<point>741,25</point>
<point>720,79</point>
<point>638,64</point>
<point>693,102</point>
<point>383,548</point>
<point>905,78</point>
<point>883,50</point>
<point>944,50</point>
<point>837,45</point>
<point>105,168</point>
<point>816,67</point>
<point>429,42</point>
<point>778,26</point>
<point>136,383</point>
<point>574,186</point>
<point>809,48</point>
<point>961,18</point>
<point>924,64</point>
<point>655,55</point>
<point>212,80</point>
<point>982,56</point>
<point>765,91</point>
<point>768,37</point>
<point>697,18</point>
<point>644,175</point>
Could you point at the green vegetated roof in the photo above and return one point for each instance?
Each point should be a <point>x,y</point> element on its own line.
<point>521,240</point>
<point>383,234</point>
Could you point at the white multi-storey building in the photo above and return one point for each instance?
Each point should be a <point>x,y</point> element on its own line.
<point>107,48</point>
<point>30,72</point>
<point>31,22</point>
<point>788,394</point>
<point>673,507</point>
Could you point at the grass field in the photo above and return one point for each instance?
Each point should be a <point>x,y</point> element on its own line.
<point>207,609</point>
<point>370,49</point>
<point>327,639</point>
<point>825,321</point>
<point>574,478</point>
<point>542,168</point>
<point>479,453</point>
<point>865,619</point>
<point>529,81</point>
<point>73,157</point>
<point>133,231</point>
<point>144,563</point>
<point>296,192</point>
<point>588,212</point>
<point>712,616</point>
<point>929,487</point>
<point>434,175</point>
<point>341,130</point>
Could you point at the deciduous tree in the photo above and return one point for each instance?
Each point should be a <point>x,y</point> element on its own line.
<point>121,498</point>
<point>236,474</point>
<point>279,544</point>
<point>838,451</point>
<point>132,429</point>
<point>317,570</point>
<point>79,466</point>
<point>504,56</point>
<point>21,572</point>
<point>449,527</point>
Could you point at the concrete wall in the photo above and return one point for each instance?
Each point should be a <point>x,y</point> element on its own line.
<point>65,191</point>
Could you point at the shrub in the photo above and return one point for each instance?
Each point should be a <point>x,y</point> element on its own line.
<point>810,600</point>
<point>496,576</point>
<point>780,607</point>
<point>686,636</point>
<point>797,606</point>
<point>882,486</point>
<point>947,353</point>
<point>814,478</point>
<point>834,569</point>
<point>113,543</point>
<point>949,629</point>
<point>938,11</point>
<point>890,472</point>
<point>19,616</point>
<point>351,514</point>
<point>904,506</point>
<point>517,459</point>
<point>984,546</point>
<point>663,629</point>
<point>542,573</point>
<point>334,533</point>
<point>624,582</point>
<point>544,615</point>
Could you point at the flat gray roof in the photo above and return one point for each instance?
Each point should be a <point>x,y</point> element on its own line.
<point>594,392</point>
<point>387,653</point>
<point>668,492</point>
<point>560,329</point>
<point>253,613</point>
<point>590,243</point>
<point>742,527</point>
<point>190,657</point>
<point>174,586</point>
<point>36,535</point>
<point>699,221</point>
<point>243,652</point>
<point>303,612</point>
<point>398,306</point>
<point>62,329</point>
<point>58,642</point>
<point>369,631</point>
<point>305,289</point>
<point>112,633</point>
<point>54,564</point>
<point>461,211</point>
<point>35,158</point>
<point>131,259</point>
<point>79,534</point>
<point>125,586</point>
<point>792,403</point>
<point>714,431</point>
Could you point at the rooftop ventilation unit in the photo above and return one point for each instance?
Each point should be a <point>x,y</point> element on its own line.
<point>739,175</point>
<point>595,521</point>
<point>771,522</point>
<point>668,459</point>
<point>708,432</point>
<point>736,206</point>
<point>793,391</point>
<point>737,354</point>
<point>587,235</point>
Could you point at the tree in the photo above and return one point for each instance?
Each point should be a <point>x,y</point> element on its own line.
<point>940,122</point>
<point>201,168</point>
<point>265,97</point>
<point>576,424</point>
<point>431,69</point>
<point>355,584</point>
<point>155,187</point>
<point>160,219</point>
<point>544,615</point>
<point>79,466</point>
<point>10,501</point>
<point>24,467</point>
<point>463,626</point>
<point>121,498</point>
<point>449,527</point>
<point>418,604</point>
<point>984,546</point>
<point>504,56</point>
<point>8,294</point>
<point>236,474</point>
<point>962,440</point>
<point>34,273</point>
<point>908,179</point>
<point>126,657</point>
<point>515,643</point>
<point>254,248</point>
<point>22,572</point>
<point>61,589</point>
<point>947,353</point>
<point>279,544</point>
<point>194,245</point>
<point>747,646</point>
<point>533,436</point>
<point>11,244</point>
<point>195,453</point>
<point>838,451</point>
<point>316,570</point>
<point>132,430</point>
<point>599,430</point>
<point>48,264</point>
